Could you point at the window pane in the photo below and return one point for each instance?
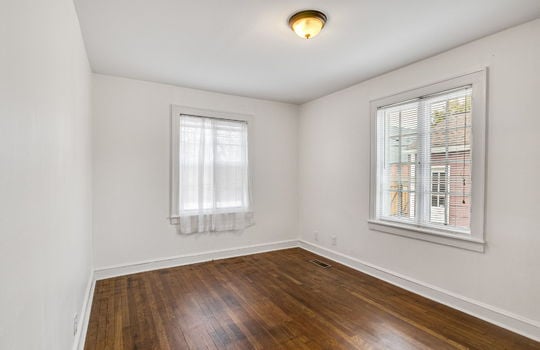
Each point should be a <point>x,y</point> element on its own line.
<point>399,174</point>
<point>213,165</point>
<point>442,185</point>
<point>426,145</point>
<point>449,139</point>
<point>441,201</point>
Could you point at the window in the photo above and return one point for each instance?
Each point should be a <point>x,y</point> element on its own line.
<point>428,154</point>
<point>210,182</point>
<point>439,212</point>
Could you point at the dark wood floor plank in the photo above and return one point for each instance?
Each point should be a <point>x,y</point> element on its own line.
<point>278,300</point>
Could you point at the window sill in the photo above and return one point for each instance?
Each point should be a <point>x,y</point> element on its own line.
<point>457,240</point>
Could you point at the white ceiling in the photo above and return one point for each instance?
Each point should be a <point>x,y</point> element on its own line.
<point>245,47</point>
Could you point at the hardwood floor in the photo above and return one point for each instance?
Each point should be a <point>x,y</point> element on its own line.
<point>278,300</point>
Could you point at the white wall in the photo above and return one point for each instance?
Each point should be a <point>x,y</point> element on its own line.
<point>334,175</point>
<point>45,174</point>
<point>131,171</point>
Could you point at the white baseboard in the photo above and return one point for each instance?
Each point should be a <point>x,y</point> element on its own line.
<point>149,265</point>
<point>518,324</point>
<point>84,315</point>
<point>521,325</point>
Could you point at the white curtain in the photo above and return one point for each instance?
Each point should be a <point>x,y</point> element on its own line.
<point>213,191</point>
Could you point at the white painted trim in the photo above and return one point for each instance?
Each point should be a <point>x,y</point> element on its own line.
<point>515,323</point>
<point>478,81</point>
<point>155,264</point>
<point>424,233</point>
<point>84,315</point>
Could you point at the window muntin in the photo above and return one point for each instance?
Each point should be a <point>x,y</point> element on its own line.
<point>424,157</point>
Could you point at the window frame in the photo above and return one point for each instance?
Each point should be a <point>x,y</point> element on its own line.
<point>176,112</point>
<point>475,240</point>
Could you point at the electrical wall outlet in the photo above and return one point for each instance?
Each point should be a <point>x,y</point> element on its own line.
<point>75,323</point>
<point>316,236</point>
<point>334,240</point>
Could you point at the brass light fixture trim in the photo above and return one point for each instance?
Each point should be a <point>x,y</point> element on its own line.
<point>308,23</point>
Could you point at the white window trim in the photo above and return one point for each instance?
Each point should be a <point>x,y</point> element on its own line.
<point>475,240</point>
<point>176,111</point>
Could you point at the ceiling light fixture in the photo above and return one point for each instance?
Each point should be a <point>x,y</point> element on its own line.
<point>307,24</point>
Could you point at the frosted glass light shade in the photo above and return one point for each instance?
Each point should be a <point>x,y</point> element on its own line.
<point>307,24</point>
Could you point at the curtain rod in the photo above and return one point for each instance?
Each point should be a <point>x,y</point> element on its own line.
<point>216,118</point>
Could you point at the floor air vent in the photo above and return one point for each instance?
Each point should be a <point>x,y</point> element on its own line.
<point>320,263</point>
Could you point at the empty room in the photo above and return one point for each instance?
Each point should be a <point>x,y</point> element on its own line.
<point>248,174</point>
